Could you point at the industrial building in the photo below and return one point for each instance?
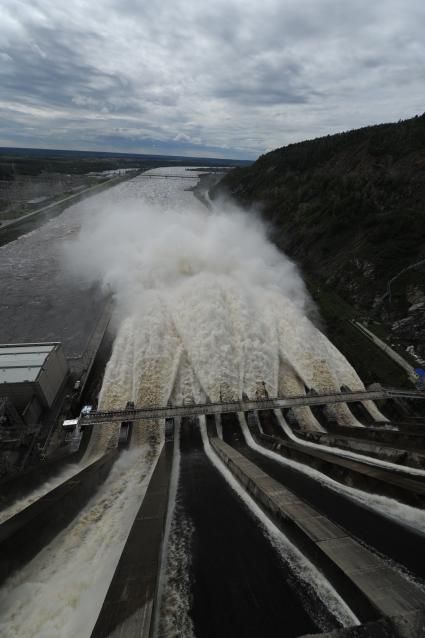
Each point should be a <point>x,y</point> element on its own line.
<point>31,377</point>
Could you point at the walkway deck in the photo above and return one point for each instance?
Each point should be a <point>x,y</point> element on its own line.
<point>158,412</point>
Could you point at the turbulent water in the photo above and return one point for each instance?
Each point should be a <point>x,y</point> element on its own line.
<point>207,309</point>
<point>59,593</point>
<point>210,309</point>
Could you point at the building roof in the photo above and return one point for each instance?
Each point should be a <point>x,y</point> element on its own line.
<point>23,362</point>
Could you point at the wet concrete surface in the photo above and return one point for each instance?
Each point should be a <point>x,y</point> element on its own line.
<point>393,438</point>
<point>396,482</point>
<point>367,582</point>
<point>376,449</point>
<point>129,604</point>
<point>28,531</point>
<point>410,625</point>
<point>401,543</point>
<point>239,584</point>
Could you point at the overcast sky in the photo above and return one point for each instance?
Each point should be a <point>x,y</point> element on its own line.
<point>229,78</point>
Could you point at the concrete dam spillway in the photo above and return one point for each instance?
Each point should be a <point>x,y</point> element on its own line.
<point>206,309</point>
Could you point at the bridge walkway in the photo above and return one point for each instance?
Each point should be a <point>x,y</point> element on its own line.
<point>164,412</point>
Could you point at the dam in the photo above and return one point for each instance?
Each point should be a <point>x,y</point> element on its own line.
<point>260,517</point>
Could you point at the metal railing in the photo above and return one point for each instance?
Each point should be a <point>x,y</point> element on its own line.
<point>245,405</point>
<point>159,176</point>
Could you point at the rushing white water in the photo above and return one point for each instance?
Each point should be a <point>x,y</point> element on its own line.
<point>48,485</point>
<point>172,617</point>
<point>175,620</point>
<point>389,507</point>
<point>210,305</point>
<point>59,593</point>
<point>207,308</point>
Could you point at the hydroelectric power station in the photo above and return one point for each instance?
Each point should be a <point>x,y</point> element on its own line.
<point>184,451</point>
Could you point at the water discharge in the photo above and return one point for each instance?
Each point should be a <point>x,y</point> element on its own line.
<point>207,309</point>
<point>289,553</point>
<point>59,593</point>
<point>388,507</point>
<point>210,308</point>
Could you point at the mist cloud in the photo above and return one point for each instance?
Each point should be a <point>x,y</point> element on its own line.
<point>178,247</point>
<point>206,304</point>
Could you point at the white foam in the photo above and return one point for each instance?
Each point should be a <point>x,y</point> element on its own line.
<point>209,286</point>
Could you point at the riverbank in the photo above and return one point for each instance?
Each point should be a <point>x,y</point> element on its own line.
<point>13,229</point>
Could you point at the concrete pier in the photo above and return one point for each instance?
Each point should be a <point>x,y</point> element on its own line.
<point>371,587</point>
<point>128,609</point>
<point>22,536</point>
<point>394,438</point>
<point>396,484</point>
<point>377,449</point>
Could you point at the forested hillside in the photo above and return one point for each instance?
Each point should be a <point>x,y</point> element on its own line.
<point>350,209</point>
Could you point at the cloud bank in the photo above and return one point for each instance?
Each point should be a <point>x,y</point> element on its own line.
<point>227,78</point>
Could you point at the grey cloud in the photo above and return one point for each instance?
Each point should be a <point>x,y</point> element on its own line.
<point>266,83</point>
<point>236,75</point>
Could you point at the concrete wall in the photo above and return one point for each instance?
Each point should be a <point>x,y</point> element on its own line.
<point>26,533</point>
<point>32,412</point>
<point>129,606</point>
<point>410,625</point>
<point>52,375</point>
<point>368,584</point>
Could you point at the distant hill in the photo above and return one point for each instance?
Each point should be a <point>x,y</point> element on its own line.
<point>350,209</point>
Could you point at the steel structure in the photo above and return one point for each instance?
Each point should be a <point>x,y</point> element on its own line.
<point>159,176</point>
<point>163,412</point>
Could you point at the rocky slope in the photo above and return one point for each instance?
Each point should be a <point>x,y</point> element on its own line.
<point>350,209</point>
